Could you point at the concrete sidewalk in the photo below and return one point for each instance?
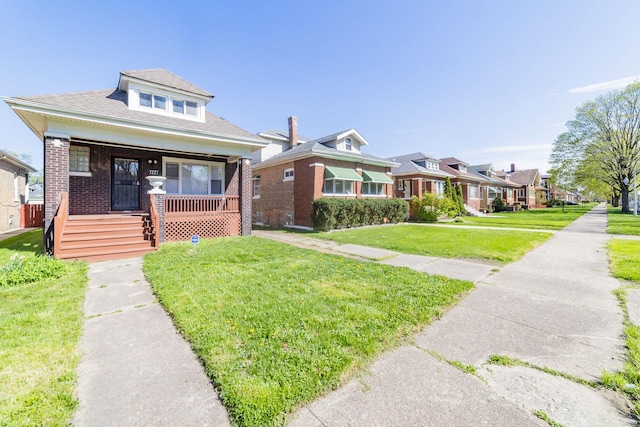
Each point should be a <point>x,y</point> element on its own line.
<point>552,308</point>
<point>136,369</point>
<point>16,232</point>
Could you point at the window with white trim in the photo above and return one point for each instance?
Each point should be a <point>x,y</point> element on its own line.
<point>288,174</point>
<point>256,186</point>
<point>520,192</point>
<point>160,102</point>
<point>348,145</point>
<point>438,187</point>
<point>193,177</point>
<point>473,191</point>
<point>78,158</point>
<point>337,186</point>
<point>373,188</point>
<point>407,189</point>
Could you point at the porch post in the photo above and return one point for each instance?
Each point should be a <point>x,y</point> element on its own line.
<point>160,230</point>
<point>245,196</point>
<point>56,180</point>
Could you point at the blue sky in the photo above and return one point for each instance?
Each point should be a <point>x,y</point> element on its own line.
<point>484,81</point>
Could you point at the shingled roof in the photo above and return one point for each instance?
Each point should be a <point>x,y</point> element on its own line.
<point>524,177</point>
<point>165,78</point>
<point>113,104</point>
<point>409,166</point>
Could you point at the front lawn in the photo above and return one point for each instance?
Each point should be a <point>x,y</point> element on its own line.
<point>276,326</point>
<point>473,243</point>
<point>40,324</point>
<point>544,218</point>
<point>624,257</point>
<point>619,223</point>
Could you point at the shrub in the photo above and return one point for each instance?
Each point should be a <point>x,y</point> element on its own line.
<point>19,269</point>
<point>433,207</point>
<point>498,205</point>
<point>329,213</point>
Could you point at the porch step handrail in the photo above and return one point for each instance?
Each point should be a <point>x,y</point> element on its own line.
<point>59,222</point>
<point>193,203</point>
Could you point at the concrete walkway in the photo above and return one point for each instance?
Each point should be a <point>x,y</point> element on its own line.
<point>136,370</point>
<point>15,232</point>
<point>554,308</point>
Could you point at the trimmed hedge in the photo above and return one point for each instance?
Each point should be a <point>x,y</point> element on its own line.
<point>330,213</point>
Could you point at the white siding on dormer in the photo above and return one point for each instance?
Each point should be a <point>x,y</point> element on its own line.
<point>342,145</point>
<point>134,102</point>
<point>274,148</point>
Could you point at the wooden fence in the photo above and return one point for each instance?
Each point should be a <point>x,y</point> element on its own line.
<point>31,216</point>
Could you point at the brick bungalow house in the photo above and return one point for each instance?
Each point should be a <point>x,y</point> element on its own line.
<point>292,171</point>
<point>14,176</point>
<point>104,149</point>
<point>495,186</point>
<point>471,183</point>
<point>530,194</point>
<point>416,174</point>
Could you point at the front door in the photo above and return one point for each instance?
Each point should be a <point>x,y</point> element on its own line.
<point>125,184</point>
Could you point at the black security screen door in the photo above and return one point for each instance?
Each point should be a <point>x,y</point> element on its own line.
<point>125,184</point>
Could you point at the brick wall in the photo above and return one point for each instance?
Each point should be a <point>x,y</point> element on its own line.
<point>276,195</point>
<point>56,181</point>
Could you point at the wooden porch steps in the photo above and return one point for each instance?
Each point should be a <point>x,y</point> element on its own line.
<point>104,237</point>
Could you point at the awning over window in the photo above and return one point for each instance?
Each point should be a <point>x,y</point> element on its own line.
<point>378,177</point>
<point>495,190</point>
<point>332,172</point>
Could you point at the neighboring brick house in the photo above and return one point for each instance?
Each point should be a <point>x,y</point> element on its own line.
<point>416,174</point>
<point>470,182</point>
<point>494,186</point>
<point>14,176</point>
<point>530,194</point>
<point>99,147</point>
<point>292,171</point>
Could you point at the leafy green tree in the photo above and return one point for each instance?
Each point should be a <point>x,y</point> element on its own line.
<point>601,145</point>
<point>432,207</point>
<point>460,200</point>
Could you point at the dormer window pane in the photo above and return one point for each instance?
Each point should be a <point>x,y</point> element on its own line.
<point>159,102</point>
<point>178,106</point>
<point>347,144</point>
<point>192,108</point>
<point>145,99</point>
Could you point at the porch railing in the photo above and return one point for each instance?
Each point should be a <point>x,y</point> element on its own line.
<point>59,222</point>
<point>182,204</point>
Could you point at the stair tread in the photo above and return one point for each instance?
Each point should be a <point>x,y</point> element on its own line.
<point>104,250</point>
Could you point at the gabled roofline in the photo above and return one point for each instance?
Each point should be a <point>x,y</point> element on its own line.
<point>324,155</point>
<point>9,158</point>
<point>129,78</point>
<point>19,105</point>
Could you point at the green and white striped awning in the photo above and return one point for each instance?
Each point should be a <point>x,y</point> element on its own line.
<point>377,177</point>
<point>345,174</point>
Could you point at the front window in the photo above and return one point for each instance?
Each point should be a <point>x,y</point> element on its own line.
<point>178,106</point>
<point>373,188</point>
<point>78,158</point>
<point>521,192</point>
<point>473,191</point>
<point>348,145</point>
<point>193,177</point>
<point>160,102</point>
<point>145,99</point>
<point>439,187</point>
<point>337,186</point>
<point>407,189</point>
<point>192,108</point>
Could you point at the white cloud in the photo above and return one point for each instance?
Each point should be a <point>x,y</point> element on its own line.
<point>613,84</point>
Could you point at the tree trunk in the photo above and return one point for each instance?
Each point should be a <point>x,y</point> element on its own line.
<point>625,198</point>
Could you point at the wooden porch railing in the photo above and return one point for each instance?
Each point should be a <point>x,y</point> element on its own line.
<point>59,222</point>
<point>183,204</point>
<point>155,222</point>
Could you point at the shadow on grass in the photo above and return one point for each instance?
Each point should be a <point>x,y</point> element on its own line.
<point>29,243</point>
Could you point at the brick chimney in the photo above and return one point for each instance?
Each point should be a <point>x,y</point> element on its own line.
<point>513,165</point>
<point>293,131</point>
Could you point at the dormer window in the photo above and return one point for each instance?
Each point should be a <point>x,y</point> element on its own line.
<point>145,99</point>
<point>178,106</point>
<point>348,145</point>
<point>168,104</point>
<point>192,108</point>
<point>159,102</point>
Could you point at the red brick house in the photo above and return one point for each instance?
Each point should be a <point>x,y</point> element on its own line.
<point>530,194</point>
<point>471,183</point>
<point>292,171</point>
<point>416,174</point>
<point>494,186</point>
<point>102,150</point>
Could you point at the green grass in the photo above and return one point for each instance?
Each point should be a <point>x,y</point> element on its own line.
<point>472,243</point>
<point>543,219</point>
<point>41,323</point>
<point>619,223</point>
<point>628,380</point>
<point>276,326</point>
<point>624,259</point>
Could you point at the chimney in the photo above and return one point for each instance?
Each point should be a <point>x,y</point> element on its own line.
<point>513,165</point>
<point>293,131</point>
